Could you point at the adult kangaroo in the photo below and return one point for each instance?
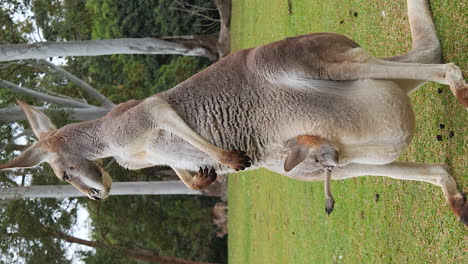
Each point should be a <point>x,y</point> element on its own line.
<point>311,107</point>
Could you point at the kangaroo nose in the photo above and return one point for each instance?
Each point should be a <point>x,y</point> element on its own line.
<point>94,191</point>
<point>94,194</point>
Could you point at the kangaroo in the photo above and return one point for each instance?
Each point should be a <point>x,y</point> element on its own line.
<point>311,107</point>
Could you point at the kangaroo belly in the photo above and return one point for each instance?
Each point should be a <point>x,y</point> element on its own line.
<point>370,121</point>
<point>383,115</point>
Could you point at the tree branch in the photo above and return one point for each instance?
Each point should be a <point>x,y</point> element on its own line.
<point>26,132</point>
<point>41,50</point>
<point>194,11</point>
<point>6,65</point>
<point>15,114</point>
<point>5,182</point>
<point>118,188</point>
<point>44,97</point>
<point>82,84</point>
<point>12,146</point>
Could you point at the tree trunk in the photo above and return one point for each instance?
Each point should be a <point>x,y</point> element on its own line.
<point>59,71</point>
<point>118,188</point>
<point>15,114</point>
<point>44,97</point>
<point>224,9</point>
<point>41,50</point>
<point>129,252</point>
<point>208,42</point>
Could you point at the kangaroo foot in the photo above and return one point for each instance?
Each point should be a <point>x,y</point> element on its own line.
<point>462,95</point>
<point>459,206</point>
<point>454,78</point>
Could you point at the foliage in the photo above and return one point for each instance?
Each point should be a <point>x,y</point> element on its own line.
<point>124,77</point>
<point>59,20</point>
<point>24,225</point>
<point>164,225</point>
<point>146,18</point>
<point>177,71</point>
<point>174,226</point>
<point>13,31</point>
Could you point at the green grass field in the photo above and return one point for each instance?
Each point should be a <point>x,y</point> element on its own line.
<point>273,219</point>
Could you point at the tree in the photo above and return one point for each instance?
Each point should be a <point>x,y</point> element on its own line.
<point>203,46</point>
<point>21,222</point>
<point>178,226</point>
<point>42,228</point>
<point>118,188</point>
<point>132,253</point>
<point>78,109</point>
<point>192,45</point>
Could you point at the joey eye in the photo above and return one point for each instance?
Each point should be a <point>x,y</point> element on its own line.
<point>66,177</point>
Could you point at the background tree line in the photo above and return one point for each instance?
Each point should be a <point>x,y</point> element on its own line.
<point>178,226</point>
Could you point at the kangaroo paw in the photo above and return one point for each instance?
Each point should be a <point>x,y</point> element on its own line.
<point>203,178</point>
<point>236,160</point>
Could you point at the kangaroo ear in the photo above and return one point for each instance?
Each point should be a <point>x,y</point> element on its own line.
<point>296,155</point>
<point>290,144</point>
<point>30,157</point>
<point>39,122</point>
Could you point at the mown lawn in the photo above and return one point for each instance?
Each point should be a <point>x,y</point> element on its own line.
<point>273,219</point>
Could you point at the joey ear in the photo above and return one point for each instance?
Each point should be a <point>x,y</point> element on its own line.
<point>296,155</point>
<point>290,144</point>
<point>30,157</point>
<point>39,122</point>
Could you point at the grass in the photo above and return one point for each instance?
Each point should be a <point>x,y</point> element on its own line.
<point>273,219</point>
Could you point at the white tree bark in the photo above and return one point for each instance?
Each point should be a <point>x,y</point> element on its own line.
<point>118,188</point>
<point>14,113</point>
<point>44,97</point>
<point>80,83</point>
<point>42,50</point>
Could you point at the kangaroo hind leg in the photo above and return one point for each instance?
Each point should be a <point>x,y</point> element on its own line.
<point>426,46</point>
<point>436,174</point>
<point>426,49</point>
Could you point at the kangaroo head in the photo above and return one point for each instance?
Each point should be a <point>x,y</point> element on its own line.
<point>64,157</point>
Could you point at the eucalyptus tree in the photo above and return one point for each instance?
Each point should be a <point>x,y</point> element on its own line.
<point>86,88</point>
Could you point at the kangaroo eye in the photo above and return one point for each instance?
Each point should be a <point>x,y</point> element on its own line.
<point>66,177</point>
